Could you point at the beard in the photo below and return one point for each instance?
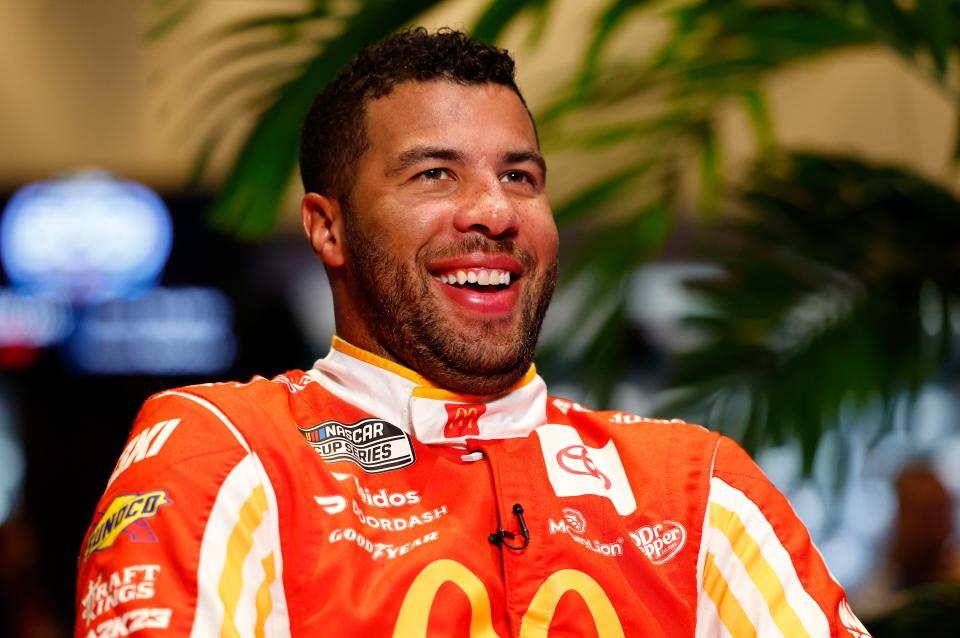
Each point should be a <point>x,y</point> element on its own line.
<point>403,313</point>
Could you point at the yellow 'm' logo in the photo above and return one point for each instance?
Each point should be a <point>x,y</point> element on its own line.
<point>463,419</point>
<point>122,512</point>
<point>466,417</point>
<point>415,609</point>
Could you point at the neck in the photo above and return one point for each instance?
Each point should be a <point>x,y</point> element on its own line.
<point>474,385</point>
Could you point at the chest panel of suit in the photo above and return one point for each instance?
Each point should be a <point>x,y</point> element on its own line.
<point>408,549</point>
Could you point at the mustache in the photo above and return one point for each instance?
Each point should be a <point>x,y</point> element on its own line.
<point>478,243</point>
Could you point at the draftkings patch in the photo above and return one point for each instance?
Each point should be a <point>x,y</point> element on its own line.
<point>373,444</point>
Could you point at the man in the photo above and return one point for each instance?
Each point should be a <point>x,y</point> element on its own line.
<point>418,480</point>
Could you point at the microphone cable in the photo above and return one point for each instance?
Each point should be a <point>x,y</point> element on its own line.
<point>499,537</point>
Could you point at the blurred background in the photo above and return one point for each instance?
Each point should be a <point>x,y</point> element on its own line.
<point>758,203</point>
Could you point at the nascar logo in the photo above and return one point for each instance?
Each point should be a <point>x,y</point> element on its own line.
<point>373,444</point>
<point>123,512</point>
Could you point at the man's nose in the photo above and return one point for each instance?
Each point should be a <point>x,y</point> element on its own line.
<point>490,210</point>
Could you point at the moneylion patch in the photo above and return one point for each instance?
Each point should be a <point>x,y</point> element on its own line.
<point>373,444</point>
<point>126,513</point>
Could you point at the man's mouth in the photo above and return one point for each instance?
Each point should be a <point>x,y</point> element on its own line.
<point>482,279</point>
<point>480,284</point>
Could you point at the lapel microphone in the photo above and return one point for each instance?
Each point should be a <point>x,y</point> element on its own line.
<point>499,537</point>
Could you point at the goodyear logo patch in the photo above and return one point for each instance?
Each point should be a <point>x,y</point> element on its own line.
<point>375,445</point>
<point>123,512</point>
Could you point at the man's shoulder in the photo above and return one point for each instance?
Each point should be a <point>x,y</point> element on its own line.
<point>260,415</point>
<point>231,403</point>
<point>257,388</point>
<point>562,410</point>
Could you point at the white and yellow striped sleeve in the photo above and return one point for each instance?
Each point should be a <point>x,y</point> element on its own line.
<point>186,539</point>
<point>759,574</point>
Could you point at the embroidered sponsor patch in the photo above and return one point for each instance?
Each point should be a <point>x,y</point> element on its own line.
<point>333,504</point>
<point>574,524</point>
<point>131,622</point>
<point>127,513</point>
<point>381,498</point>
<point>660,542</point>
<point>463,419</point>
<point>373,444</point>
<point>107,591</point>
<point>376,550</point>
<point>575,469</point>
<point>565,406</point>
<point>850,621</point>
<point>145,445</point>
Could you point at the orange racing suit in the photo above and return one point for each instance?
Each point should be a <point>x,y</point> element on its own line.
<point>359,499</point>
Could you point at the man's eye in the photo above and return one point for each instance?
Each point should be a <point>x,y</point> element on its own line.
<point>435,174</point>
<point>516,177</point>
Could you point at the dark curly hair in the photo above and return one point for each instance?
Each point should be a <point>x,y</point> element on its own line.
<point>333,136</point>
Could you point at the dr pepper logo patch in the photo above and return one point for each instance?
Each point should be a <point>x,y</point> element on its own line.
<point>660,542</point>
<point>373,444</point>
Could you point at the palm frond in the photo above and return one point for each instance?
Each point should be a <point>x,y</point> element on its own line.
<point>248,202</point>
<point>500,13</point>
<point>820,303</point>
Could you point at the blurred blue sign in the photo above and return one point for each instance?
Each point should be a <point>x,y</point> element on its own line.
<point>32,322</point>
<point>166,331</point>
<point>85,238</point>
<point>84,255</point>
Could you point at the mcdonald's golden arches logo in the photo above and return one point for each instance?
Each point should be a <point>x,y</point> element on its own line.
<point>415,609</point>
<point>463,419</point>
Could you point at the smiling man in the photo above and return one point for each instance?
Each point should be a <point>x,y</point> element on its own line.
<point>438,238</point>
<point>419,480</point>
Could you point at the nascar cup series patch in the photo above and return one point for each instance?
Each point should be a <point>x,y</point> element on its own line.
<point>127,513</point>
<point>373,444</point>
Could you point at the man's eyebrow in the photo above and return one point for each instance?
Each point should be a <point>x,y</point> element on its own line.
<point>517,157</point>
<point>417,154</point>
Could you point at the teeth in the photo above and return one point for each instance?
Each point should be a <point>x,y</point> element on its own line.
<point>480,276</point>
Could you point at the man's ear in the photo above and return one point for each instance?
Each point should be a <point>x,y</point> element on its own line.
<point>323,225</point>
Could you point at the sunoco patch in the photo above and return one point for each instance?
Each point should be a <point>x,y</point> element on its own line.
<point>127,513</point>
<point>373,444</point>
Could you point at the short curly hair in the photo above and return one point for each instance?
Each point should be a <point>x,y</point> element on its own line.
<point>333,137</point>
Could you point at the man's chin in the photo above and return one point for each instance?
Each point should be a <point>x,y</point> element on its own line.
<point>479,363</point>
<point>475,352</point>
<point>496,333</point>
<point>494,380</point>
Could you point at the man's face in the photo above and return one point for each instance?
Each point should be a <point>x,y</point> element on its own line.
<point>450,244</point>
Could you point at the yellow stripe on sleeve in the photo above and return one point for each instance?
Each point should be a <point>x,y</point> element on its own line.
<point>731,613</point>
<point>264,602</point>
<point>761,573</point>
<point>239,545</point>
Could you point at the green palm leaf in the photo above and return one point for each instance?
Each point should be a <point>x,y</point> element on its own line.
<point>824,299</point>
<point>248,201</point>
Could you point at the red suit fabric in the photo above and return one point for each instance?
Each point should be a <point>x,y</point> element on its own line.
<point>359,499</point>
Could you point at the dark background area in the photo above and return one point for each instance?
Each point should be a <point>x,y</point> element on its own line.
<point>73,425</point>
